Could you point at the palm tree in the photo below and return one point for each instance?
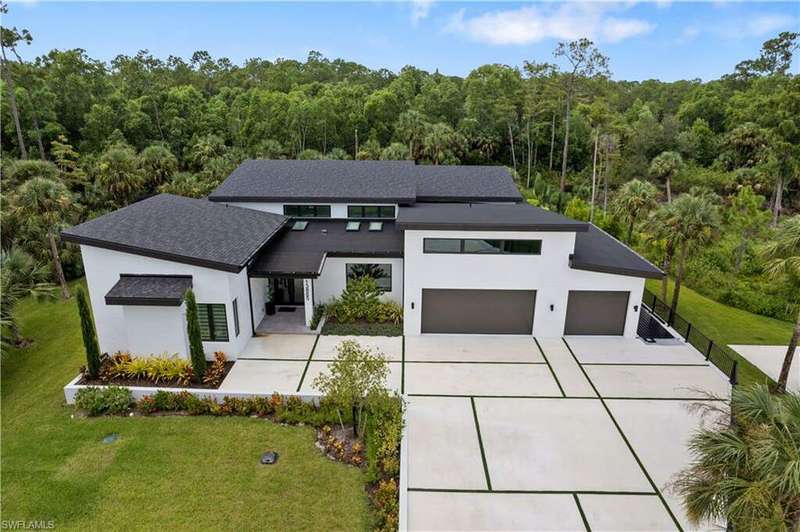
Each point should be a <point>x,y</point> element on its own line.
<point>659,230</point>
<point>664,167</point>
<point>44,203</point>
<point>158,164</point>
<point>745,472</point>
<point>634,200</point>
<point>783,255</point>
<point>439,142</point>
<point>693,221</point>
<point>119,174</point>
<point>20,276</point>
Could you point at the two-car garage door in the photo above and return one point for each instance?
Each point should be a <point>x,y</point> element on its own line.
<point>462,311</point>
<point>459,311</point>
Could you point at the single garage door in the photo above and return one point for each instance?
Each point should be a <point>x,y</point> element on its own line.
<point>477,311</point>
<point>595,312</point>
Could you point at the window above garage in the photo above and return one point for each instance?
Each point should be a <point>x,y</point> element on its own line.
<point>370,211</point>
<point>482,246</point>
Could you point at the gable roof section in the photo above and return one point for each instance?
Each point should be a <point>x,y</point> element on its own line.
<point>597,251</point>
<point>151,290</point>
<point>174,228</point>
<point>465,183</point>
<point>484,217</point>
<point>302,253</point>
<point>319,181</point>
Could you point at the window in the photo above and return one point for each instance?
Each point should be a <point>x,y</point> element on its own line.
<point>382,273</point>
<point>299,225</point>
<point>376,226</point>
<point>370,211</point>
<point>352,226</point>
<point>307,211</point>
<point>235,317</point>
<point>213,322</point>
<point>482,246</point>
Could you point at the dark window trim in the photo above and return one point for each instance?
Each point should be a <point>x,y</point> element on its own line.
<point>235,317</point>
<point>463,252</point>
<point>208,313</point>
<point>385,264</point>
<point>315,208</point>
<point>353,209</point>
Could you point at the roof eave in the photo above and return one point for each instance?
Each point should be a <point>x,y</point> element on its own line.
<point>307,199</point>
<point>144,301</point>
<point>563,228</point>
<point>629,272</point>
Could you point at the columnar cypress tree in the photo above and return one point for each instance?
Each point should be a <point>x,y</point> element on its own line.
<point>195,339</point>
<point>89,335</point>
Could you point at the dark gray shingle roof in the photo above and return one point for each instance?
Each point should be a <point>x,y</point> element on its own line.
<point>484,216</point>
<point>319,181</point>
<point>301,253</point>
<point>191,231</point>
<point>465,183</point>
<point>597,251</point>
<point>154,290</point>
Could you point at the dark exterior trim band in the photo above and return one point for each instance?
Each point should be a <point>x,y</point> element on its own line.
<point>311,199</point>
<point>144,301</point>
<point>575,265</point>
<point>544,228</point>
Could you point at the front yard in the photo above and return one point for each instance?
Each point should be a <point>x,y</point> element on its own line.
<point>165,472</point>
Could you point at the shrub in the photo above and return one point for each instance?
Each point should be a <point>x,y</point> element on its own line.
<point>117,400</point>
<point>89,335</point>
<point>157,369</point>
<point>198,356</point>
<point>389,312</point>
<point>319,311</point>
<point>91,400</point>
<point>96,401</point>
<point>359,301</point>
<point>362,329</point>
<point>146,405</point>
<point>387,501</point>
<point>216,371</point>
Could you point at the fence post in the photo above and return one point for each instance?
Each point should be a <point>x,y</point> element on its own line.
<point>735,373</point>
<point>669,317</point>
<point>688,330</point>
<point>708,349</point>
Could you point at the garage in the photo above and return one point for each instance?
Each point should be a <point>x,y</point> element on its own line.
<point>591,312</point>
<point>461,311</point>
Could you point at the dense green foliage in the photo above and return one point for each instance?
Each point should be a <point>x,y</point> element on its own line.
<point>360,302</point>
<point>57,467</point>
<point>90,345</point>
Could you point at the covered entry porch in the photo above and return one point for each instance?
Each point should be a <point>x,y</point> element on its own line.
<point>281,304</point>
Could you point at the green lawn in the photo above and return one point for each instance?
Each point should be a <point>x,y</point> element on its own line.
<point>163,472</point>
<point>727,325</point>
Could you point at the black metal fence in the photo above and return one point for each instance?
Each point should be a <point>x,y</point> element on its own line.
<point>713,352</point>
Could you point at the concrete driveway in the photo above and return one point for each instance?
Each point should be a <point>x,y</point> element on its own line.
<point>512,433</point>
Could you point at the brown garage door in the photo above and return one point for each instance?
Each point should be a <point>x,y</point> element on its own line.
<point>477,311</point>
<point>594,312</point>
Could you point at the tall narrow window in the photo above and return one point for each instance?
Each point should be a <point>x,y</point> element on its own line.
<point>213,322</point>
<point>235,317</point>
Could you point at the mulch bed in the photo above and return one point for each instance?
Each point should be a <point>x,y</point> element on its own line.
<point>147,382</point>
<point>338,444</point>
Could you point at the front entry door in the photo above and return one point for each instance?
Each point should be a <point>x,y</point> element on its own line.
<point>288,291</point>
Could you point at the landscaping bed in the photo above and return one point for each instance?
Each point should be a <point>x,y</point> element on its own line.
<point>361,328</point>
<point>361,312</point>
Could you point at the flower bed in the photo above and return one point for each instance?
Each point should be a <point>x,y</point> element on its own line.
<point>121,369</point>
<point>360,312</point>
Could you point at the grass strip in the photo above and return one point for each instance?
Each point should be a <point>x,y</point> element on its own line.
<point>549,366</point>
<point>308,363</point>
<point>480,444</point>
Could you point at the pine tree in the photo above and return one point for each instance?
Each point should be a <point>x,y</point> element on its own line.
<point>89,336</point>
<point>195,340</point>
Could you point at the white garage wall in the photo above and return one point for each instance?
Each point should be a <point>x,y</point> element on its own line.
<point>333,278</point>
<point>103,267</point>
<point>549,274</point>
<point>338,210</point>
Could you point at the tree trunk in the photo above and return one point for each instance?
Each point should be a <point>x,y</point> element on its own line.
<point>594,178</point>
<point>511,141</point>
<point>563,182</point>
<point>676,292</point>
<point>57,264</point>
<point>630,229</point>
<point>528,132</point>
<point>666,265</point>
<point>787,361</point>
<point>12,99</point>
<point>669,190</point>
<point>776,207</point>
<point>606,171</point>
<point>34,114</point>
<point>552,141</point>
<point>355,422</point>
<point>739,253</point>
<point>355,154</point>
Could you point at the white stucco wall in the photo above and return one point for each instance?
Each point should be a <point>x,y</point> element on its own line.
<point>333,278</point>
<point>155,330</point>
<point>258,286</point>
<point>338,210</point>
<point>103,268</point>
<point>549,274</point>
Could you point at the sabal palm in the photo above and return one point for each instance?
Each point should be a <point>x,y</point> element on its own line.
<point>438,142</point>
<point>20,276</point>
<point>633,201</point>
<point>693,220</point>
<point>45,203</point>
<point>659,231</point>
<point>783,256</point>
<point>747,472</point>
